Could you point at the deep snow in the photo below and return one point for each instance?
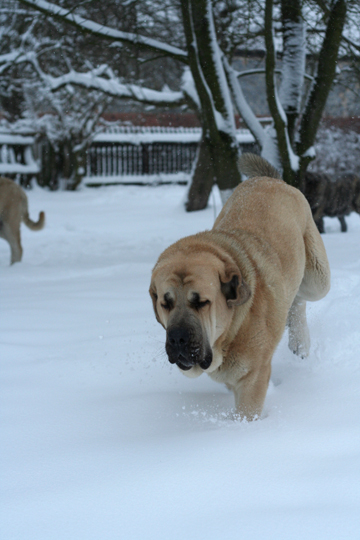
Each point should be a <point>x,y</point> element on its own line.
<point>102,439</point>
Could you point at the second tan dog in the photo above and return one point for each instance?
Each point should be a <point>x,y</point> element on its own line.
<point>14,210</point>
<point>225,296</point>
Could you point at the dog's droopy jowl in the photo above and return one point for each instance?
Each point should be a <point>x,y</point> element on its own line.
<point>225,296</point>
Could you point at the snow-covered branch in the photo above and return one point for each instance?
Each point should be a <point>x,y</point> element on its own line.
<point>106,32</point>
<point>30,47</point>
<point>242,105</point>
<point>226,122</point>
<point>217,157</point>
<point>93,80</point>
<point>282,158</point>
<point>17,56</point>
<point>102,79</point>
<point>205,96</point>
<point>189,89</point>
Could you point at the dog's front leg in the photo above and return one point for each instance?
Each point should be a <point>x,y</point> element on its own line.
<point>250,392</point>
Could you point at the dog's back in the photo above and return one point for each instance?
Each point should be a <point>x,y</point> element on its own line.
<point>264,200</point>
<point>326,197</point>
<point>277,213</point>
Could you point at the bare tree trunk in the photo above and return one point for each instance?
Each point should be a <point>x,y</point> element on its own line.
<point>77,169</point>
<point>219,145</point>
<point>67,159</point>
<point>202,180</point>
<point>277,112</point>
<point>321,86</point>
<point>294,164</point>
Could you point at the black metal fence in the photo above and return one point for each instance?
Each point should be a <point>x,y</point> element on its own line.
<point>147,154</point>
<point>131,154</point>
<point>122,159</point>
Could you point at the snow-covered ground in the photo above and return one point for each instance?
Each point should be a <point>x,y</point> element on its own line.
<point>102,439</point>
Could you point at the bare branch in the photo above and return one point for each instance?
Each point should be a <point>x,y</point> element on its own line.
<point>248,72</point>
<point>106,32</point>
<point>326,10</point>
<point>351,43</point>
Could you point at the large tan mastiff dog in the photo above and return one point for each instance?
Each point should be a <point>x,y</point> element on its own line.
<point>225,296</point>
<point>14,210</point>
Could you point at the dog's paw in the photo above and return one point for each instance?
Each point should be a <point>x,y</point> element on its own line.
<point>299,342</point>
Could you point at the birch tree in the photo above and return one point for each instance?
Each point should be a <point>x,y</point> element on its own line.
<point>212,87</point>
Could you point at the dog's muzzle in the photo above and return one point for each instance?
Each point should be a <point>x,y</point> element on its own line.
<point>183,351</point>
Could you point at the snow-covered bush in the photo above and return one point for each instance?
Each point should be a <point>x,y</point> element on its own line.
<point>337,151</point>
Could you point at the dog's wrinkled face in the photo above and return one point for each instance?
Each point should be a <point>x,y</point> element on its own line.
<point>194,302</point>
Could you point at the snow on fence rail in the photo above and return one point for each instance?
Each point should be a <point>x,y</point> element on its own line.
<point>16,156</point>
<point>146,154</point>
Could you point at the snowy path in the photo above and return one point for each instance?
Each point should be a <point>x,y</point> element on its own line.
<point>103,440</point>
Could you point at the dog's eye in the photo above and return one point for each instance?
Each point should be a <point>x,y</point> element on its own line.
<point>197,304</point>
<point>203,304</point>
<point>168,303</point>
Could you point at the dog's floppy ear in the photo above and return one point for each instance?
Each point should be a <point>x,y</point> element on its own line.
<point>236,291</point>
<point>154,298</point>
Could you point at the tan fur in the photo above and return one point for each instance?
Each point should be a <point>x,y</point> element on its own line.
<point>13,210</point>
<point>266,237</point>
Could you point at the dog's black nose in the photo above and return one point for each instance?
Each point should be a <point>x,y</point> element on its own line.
<point>178,338</point>
<point>177,347</point>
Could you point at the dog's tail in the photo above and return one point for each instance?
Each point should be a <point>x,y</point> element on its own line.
<point>33,225</point>
<point>252,165</point>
